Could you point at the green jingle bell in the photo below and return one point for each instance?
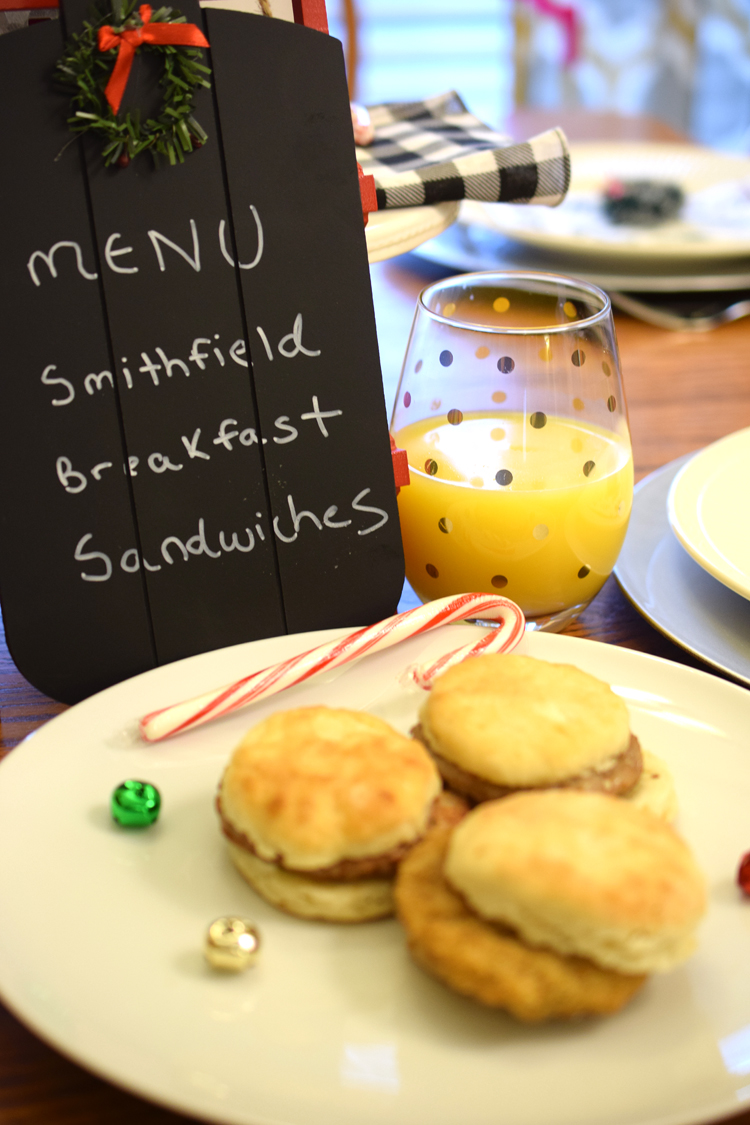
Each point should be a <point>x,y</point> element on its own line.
<point>135,804</point>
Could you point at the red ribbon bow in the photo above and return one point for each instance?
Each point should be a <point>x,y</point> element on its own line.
<point>129,40</point>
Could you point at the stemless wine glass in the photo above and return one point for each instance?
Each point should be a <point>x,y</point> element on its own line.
<point>511,409</point>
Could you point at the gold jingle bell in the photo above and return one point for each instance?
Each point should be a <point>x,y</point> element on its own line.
<point>232,944</point>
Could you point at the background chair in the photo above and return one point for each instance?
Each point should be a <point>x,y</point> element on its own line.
<point>686,62</point>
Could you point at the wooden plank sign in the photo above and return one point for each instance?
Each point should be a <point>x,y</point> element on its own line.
<point>195,451</point>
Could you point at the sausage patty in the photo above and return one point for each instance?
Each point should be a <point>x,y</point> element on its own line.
<point>620,775</point>
<point>447,810</point>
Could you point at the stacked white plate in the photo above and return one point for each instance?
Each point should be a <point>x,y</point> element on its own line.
<point>703,254</point>
<point>686,559</point>
<point>714,221</point>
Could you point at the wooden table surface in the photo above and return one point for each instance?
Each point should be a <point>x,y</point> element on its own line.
<point>684,390</point>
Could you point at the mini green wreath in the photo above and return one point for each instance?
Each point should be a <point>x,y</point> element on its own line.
<point>96,65</point>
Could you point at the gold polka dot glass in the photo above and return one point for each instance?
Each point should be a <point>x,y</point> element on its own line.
<point>512,412</point>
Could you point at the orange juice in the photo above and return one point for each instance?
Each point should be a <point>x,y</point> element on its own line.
<point>535,509</point>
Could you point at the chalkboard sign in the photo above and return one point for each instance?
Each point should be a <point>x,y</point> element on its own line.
<point>195,450</point>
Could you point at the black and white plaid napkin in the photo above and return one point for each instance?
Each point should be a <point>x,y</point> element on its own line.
<point>435,150</point>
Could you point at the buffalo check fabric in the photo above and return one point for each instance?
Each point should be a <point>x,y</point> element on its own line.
<point>435,150</point>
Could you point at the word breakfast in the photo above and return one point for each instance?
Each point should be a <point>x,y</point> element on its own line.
<point>229,432</point>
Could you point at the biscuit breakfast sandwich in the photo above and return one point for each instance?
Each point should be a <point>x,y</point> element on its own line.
<point>320,804</point>
<point>555,903</point>
<point>498,724</point>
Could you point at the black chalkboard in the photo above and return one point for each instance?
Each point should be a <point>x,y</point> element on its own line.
<point>68,631</point>
<point>310,318</point>
<point>212,464</point>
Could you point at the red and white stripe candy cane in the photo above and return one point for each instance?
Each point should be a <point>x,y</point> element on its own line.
<point>213,705</point>
<point>502,639</point>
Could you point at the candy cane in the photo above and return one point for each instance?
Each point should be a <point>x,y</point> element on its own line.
<point>213,705</point>
<point>502,639</point>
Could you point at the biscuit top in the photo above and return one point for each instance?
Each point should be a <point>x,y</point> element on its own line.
<point>315,786</point>
<point>581,873</point>
<point>523,722</point>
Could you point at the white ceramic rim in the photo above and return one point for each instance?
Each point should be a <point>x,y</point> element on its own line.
<point>683,517</point>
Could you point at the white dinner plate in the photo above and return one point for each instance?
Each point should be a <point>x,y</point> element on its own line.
<point>470,245</point>
<point>676,595</point>
<point>101,928</point>
<point>401,229</point>
<point>714,221</point>
<point>709,510</point>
